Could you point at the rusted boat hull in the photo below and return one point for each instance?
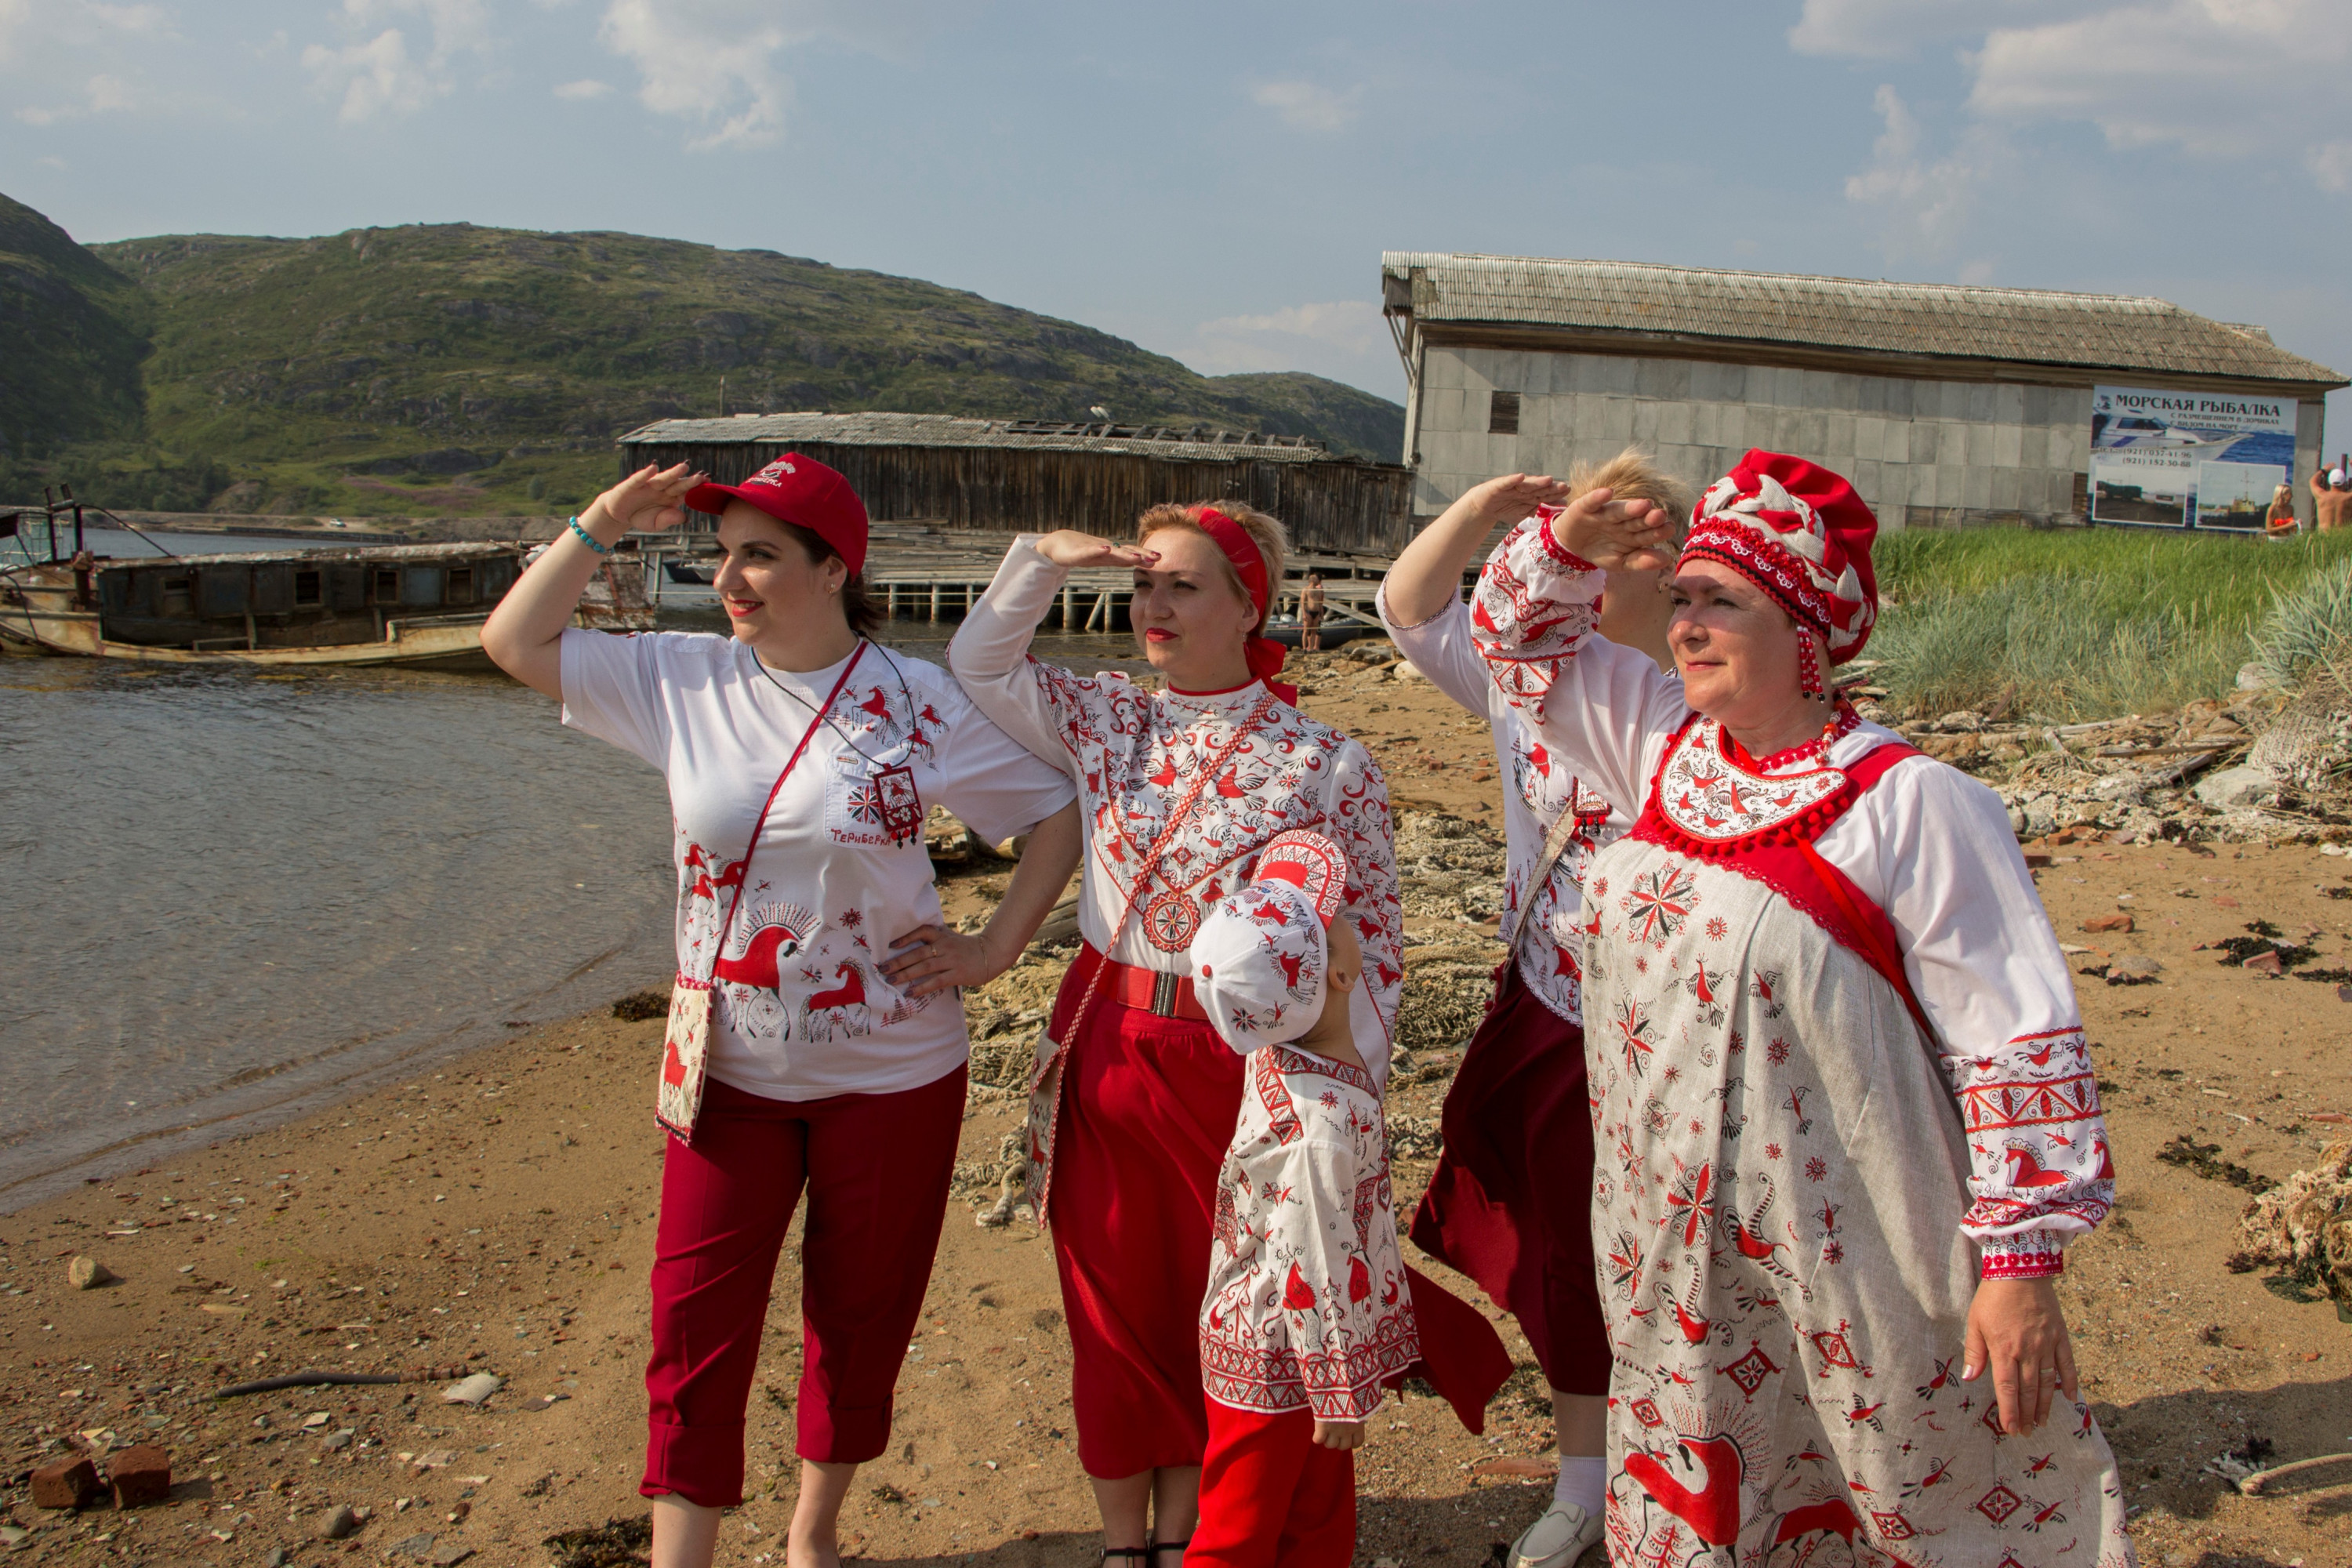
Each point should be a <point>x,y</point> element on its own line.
<point>414,608</point>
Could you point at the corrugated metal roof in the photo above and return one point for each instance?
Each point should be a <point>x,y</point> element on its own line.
<point>2026,326</point>
<point>1192,444</point>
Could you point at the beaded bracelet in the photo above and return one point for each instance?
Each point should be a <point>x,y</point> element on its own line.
<point>589,540</point>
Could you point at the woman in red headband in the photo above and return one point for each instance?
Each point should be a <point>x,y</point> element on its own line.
<point>1846,1116</point>
<point>1136,1098</point>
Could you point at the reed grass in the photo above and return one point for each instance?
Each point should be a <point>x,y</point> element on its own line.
<point>2091,623</point>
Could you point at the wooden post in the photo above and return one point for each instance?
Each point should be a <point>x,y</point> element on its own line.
<point>1101,612</point>
<point>893,601</point>
<point>935,601</point>
<point>1069,607</point>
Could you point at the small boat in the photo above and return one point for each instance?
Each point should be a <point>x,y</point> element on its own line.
<point>414,605</point>
<point>694,573</point>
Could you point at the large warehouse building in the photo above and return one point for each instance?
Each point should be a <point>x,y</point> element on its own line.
<point>1946,404</point>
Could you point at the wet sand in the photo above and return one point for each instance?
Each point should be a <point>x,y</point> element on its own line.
<point>498,1213</point>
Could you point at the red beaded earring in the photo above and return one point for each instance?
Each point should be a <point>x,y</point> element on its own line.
<point>1809,667</point>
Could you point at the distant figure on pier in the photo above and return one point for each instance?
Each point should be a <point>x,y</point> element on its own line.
<point>2333,493</point>
<point>1310,615</point>
<point>816,1042</point>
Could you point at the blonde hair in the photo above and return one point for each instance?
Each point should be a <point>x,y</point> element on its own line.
<point>1266,532</point>
<point>1630,476</point>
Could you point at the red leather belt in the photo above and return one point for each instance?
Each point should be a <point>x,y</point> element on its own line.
<point>1151,991</point>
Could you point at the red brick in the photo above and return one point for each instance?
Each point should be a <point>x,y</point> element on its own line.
<point>140,1475</point>
<point>63,1483</point>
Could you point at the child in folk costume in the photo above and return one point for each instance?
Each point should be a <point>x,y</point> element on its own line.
<point>1510,1204</point>
<point>1135,1098</point>
<point>1848,1118</point>
<point>815,1040</point>
<point>1310,1311</point>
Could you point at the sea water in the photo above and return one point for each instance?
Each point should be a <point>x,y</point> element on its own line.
<point>234,896</point>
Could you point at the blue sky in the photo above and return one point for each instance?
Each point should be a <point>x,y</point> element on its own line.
<point>1218,182</point>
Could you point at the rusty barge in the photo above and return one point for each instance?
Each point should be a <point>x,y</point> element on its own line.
<point>411,605</point>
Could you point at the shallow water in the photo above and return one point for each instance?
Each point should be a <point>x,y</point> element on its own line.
<point>235,896</point>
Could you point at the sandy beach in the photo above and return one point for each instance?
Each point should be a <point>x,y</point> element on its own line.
<point>496,1214</point>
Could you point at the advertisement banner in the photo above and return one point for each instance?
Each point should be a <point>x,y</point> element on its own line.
<point>2188,459</point>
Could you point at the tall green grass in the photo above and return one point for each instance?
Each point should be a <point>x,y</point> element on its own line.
<point>2088,624</point>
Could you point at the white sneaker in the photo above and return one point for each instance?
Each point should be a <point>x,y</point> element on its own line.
<point>1559,1539</point>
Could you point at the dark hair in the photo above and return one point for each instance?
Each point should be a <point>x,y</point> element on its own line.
<point>856,607</point>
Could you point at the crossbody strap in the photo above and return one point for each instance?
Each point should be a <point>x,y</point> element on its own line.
<point>726,926</point>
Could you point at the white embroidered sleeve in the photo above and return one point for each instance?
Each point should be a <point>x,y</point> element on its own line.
<point>1985,964</point>
<point>1327,1286</point>
<point>1360,825</point>
<point>1041,705</point>
<point>1607,710</point>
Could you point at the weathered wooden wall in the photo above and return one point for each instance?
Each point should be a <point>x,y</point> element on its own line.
<point>1336,504</point>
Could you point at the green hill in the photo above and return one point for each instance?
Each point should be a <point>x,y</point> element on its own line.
<point>72,332</point>
<point>448,368</point>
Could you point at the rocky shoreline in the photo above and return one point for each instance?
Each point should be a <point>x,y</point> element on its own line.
<point>496,1214</point>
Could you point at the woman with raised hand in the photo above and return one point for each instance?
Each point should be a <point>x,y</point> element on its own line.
<point>1510,1202</point>
<point>1136,1098</point>
<point>816,1039</point>
<point>1847,1115</point>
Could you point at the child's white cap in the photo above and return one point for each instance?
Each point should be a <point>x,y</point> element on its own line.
<point>1262,956</point>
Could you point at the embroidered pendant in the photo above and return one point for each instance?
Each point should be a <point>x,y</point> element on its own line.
<point>1170,921</point>
<point>901,804</point>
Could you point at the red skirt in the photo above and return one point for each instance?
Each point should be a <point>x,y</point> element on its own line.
<point>1148,1109</point>
<point>1511,1202</point>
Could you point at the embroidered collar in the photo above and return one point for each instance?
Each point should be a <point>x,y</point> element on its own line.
<point>1845,722</point>
<point>1714,800</point>
<point>1234,705</point>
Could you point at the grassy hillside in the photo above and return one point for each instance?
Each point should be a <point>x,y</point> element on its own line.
<point>452,368</point>
<point>72,332</point>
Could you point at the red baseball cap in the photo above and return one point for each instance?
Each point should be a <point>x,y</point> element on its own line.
<point>803,492</point>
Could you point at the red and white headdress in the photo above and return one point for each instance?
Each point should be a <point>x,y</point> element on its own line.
<point>1798,532</point>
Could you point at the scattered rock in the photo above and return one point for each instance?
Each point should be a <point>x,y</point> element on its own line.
<point>335,1442</point>
<point>1404,670</point>
<point>541,1487</point>
<point>615,1544</point>
<point>278,1557</point>
<point>2265,963</point>
<point>419,1546</point>
<point>139,1476</point>
<point>89,1274</point>
<point>342,1521</point>
<point>64,1483</point>
<point>2134,969</point>
<point>474,1390</point>
<point>2304,1226</point>
<point>639,1006</point>
<point>2116,922</point>
<point>2237,789</point>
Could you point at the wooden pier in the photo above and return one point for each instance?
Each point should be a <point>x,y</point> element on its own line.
<point>922,572</point>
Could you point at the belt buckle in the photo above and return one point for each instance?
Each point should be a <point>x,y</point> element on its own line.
<point>1163,992</point>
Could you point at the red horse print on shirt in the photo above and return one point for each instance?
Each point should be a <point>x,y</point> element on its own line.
<point>751,979</point>
<point>840,1009</point>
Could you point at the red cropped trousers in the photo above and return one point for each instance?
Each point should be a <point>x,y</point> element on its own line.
<point>877,1168</point>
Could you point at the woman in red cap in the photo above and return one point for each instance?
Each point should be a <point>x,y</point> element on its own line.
<point>1136,1098</point>
<point>1846,1113</point>
<point>815,1039</point>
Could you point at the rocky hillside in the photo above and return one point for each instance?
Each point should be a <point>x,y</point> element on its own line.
<point>72,332</point>
<point>449,367</point>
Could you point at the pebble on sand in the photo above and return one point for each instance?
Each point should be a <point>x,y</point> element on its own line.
<point>87,1274</point>
<point>472,1390</point>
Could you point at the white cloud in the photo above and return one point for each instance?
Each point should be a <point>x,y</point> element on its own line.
<point>374,78</point>
<point>1308,106</point>
<point>716,61</point>
<point>380,75</point>
<point>2226,78</point>
<point>582,92</point>
<point>1339,337</point>
<point>46,43</point>
<point>1923,204</point>
<point>2331,165</point>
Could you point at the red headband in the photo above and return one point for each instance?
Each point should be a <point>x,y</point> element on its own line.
<point>1264,655</point>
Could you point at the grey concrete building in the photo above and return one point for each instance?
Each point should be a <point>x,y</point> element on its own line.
<point>1944,405</point>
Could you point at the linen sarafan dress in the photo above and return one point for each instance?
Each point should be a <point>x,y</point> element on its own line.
<point>1509,1202</point>
<point>1132,1109</point>
<point>1838,1074</point>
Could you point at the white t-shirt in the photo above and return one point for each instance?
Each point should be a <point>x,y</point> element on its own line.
<point>799,1009</point>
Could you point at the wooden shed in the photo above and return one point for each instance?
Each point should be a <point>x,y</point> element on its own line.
<point>1021,475</point>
